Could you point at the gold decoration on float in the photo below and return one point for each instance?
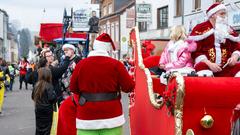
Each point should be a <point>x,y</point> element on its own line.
<point>190,132</point>
<point>157,103</point>
<point>207,120</point>
<point>178,111</point>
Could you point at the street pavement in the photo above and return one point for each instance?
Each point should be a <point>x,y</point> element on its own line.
<point>18,112</point>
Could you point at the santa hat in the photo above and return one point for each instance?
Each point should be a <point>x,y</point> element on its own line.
<point>214,8</point>
<point>68,46</point>
<point>103,42</point>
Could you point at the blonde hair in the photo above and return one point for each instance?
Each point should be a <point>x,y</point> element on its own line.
<point>178,33</point>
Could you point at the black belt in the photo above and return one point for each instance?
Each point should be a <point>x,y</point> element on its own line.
<point>96,97</point>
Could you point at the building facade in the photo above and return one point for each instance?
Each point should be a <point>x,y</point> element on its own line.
<point>157,27</point>
<point>112,21</point>
<point>3,33</point>
<point>12,46</point>
<point>8,39</point>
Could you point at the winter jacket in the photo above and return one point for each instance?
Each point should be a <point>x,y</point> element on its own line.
<point>93,22</point>
<point>44,110</point>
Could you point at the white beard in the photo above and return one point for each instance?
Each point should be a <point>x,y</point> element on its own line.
<point>221,29</point>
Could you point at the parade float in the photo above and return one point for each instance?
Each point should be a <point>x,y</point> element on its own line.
<point>55,34</point>
<point>187,105</point>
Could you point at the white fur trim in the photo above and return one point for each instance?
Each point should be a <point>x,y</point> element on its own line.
<point>163,80</point>
<point>232,38</point>
<point>236,52</point>
<point>201,37</point>
<point>218,53</point>
<point>100,123</point>
<point>68,46</point>
<point>200,58</point>
<point>183,71</point>
<point>98,53</point>
<point>99,45</point>
<point>179,45</point>
<point>215,9</point>
<point>237,74</point>
<point>205,73</point>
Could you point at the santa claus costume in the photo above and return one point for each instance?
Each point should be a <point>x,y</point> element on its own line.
<point>98,80</point>
<point>209,47</point>
<point>67,116</point>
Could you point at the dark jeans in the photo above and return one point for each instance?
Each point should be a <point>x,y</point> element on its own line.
<point>11,84</point>
<point>21,79</point>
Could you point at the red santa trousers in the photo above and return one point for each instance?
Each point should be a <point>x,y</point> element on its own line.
<point>228,71</point>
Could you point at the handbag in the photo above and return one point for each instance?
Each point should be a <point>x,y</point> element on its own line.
<point>54,120</point>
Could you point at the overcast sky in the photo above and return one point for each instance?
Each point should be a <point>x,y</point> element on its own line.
<point>30,12</point>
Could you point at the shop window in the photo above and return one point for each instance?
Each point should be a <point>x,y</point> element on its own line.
<point>162,17</point>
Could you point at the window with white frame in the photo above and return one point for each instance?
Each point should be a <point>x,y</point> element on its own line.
<point>110,8</point>
<point>113,32</point>
<point>117,32</point>
<point>196,5</point>
<point>104,10</point>
<point>104,29</point>
<point>178,8</point>
<point>108,29</point>
<point>162,17</point>
<point>142,26</point>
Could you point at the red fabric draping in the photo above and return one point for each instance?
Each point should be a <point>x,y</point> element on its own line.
<point>50,31</point>
<point>158,87</point>
<point>67,117</point>
<point>151,61</point>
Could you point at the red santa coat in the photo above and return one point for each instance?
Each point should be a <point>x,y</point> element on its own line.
<point>203,34</point>
<point>100,74</point>
<point>67,116</point>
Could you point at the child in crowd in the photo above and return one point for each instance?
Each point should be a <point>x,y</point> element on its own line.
<point>44,98</point>
<point>177,54</point>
